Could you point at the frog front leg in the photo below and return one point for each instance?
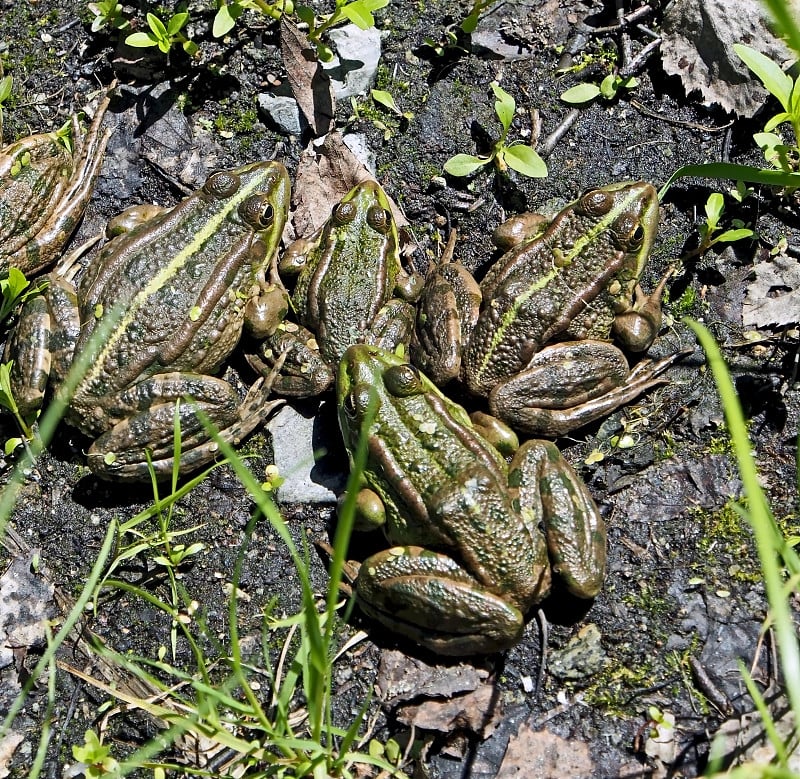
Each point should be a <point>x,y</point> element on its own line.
<point>306,371</point>
<point>431,599</point>
<point>566,386</point>
<point>146,413</point>
<point>42,343</point>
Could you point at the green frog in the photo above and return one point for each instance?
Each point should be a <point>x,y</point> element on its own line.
<point>469,558</point>
<point>154,316</point>
<point>44,189</point>
<point>534,336</point>
<point>350,288</point>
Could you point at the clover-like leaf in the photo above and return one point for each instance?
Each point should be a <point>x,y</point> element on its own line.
<point>525,160</point>
<point>465,164</point>
<point>581,93</point>
<point>504,106</point>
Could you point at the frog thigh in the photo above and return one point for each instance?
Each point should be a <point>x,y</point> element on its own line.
<point>42,343</point>
<point>429,598</point>
<point>549,490</point>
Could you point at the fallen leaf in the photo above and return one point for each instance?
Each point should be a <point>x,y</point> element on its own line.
<point>698,36</point>
<point>545,755</point>
<point>310,85</point>
<point>8,745</point>
<point>773,298</point>
<point>328,170</point>
<point>402,678</point>
<point>478,712</point>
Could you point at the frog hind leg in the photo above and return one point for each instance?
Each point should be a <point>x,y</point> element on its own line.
<point>120,454</point>
<point>431,599</point>
<point>569,385</point>
<point>549,490</point>
<point>47,244</point>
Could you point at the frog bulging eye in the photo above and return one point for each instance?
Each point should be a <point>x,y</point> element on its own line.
<point>379,219</point>
<point>402,380</point>
<point>221,184</point>
<point>344,213</point>
<point>257,211</point>
<point>628,232</point>
<point>595,202</point>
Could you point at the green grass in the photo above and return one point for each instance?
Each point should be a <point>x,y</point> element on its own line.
<point>780,566</point>
<point>282,727</point>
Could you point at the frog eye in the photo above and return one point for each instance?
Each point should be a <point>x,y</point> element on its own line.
<point>595,202</point>
<point>344,213</point>
<point>379,219</point>
<point>628,232</point>
<point>221,184</point>
<point>402,380</point>
<point>257,211</point>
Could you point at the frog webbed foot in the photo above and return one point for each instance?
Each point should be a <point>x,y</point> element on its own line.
<point>303,373</point>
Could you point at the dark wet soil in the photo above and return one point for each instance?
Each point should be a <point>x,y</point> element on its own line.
<point>683,580</point>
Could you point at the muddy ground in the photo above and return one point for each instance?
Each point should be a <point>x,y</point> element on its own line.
<point>683,584</point>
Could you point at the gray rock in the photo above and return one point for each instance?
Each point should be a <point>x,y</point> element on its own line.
<point>358,144</point>
<point>282,113</point>
<point>352,70</point>
<point>308,455</point>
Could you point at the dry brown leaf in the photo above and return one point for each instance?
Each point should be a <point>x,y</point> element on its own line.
<point>697,46</point>
<point>328,170</point>
<point>773,299</point>
<point>402,678</point>
<point>478,712</point>
<point>546,756</point>
<point>8,745</point>
<point>310,85</point>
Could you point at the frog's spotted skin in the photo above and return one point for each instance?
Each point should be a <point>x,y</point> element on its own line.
<point>169,299</point>
<point>469,558</point>
<point>44,190</point>
<point>534,336</point>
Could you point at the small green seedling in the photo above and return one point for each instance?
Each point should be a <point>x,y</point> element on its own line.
<point>228,13</point>
<point>518,157</point>
<point>470,21</point>
<point>359,12</point>
<point>164,35</point>
<point>9,402</point>
<point>607,89</point>
<point>385,99</point>
<point>108,13</point>
<point>781,156</point>
<point>95,756</point>
<point>15,289</point>
<point>454,34</point>
<point>715,206</point>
